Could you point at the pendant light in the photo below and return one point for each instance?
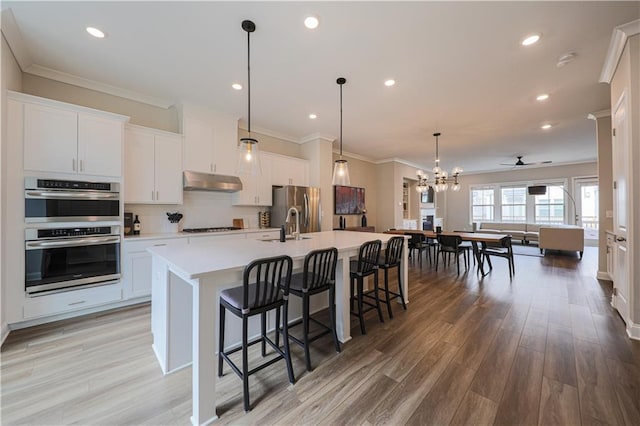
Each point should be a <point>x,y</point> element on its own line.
<point>341,168</point>
<point>441,178</point>
<point>248,154</point>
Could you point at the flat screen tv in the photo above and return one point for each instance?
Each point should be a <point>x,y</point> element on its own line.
<point>348,200</point>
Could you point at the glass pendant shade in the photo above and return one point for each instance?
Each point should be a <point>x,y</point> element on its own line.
<point>341,173</point>
<point>248,157</point>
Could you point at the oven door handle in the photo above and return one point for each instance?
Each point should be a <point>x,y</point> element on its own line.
<point>34,245</point>
<point>65,195</point>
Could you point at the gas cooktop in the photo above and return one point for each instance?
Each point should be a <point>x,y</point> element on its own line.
<point>218,229</point>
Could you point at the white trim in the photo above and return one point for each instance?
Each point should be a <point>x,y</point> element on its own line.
<point>261,130</point>
<point>354,156</point>
<point>315,137</point>
<point>599,114</point>
<point>633,330</point>
<point>75,80</point>
<point>603,275</point>
<point>23,97</point>
<point>16,43</point>
<point>152,130</point>
<point>5,333</point>
<point>523,168</point>
<point>401,161</point>
<point>618,40</point>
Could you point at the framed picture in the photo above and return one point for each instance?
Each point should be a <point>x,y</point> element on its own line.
<point>427,197</point>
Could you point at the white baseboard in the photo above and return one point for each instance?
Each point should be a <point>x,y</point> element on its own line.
<point>5,332</point>
<point>633,330</point>
<point>603,275</point>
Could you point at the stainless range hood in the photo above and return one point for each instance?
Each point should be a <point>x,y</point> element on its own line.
<point>196,181</point>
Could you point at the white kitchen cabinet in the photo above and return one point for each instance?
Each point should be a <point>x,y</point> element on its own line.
<point>210,143</point>
<point>256,190</point>
<point>289,171</point>
<point>65,138</point>
<point>153,166</point>
<point>136,265</point>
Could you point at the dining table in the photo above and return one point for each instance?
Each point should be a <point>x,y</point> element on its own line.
<point>475,238</point>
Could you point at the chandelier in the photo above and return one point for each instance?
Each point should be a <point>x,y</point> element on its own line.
<point>441,178</point>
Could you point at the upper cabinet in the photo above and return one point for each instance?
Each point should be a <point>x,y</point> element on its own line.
<point>64,138</point>
<point>153,166</point>
<point>210,141</point>
<point>256,190</point>
<point>289,171</point>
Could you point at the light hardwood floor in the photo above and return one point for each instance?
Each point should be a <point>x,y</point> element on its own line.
<point>545,348</point>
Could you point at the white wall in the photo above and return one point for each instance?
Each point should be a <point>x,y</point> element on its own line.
<point>11,80</point>
<point>457,204</point>
<point>605,189</point>
<point>319,153</point>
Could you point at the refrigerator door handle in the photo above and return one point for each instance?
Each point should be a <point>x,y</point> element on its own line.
<point>306,210</point>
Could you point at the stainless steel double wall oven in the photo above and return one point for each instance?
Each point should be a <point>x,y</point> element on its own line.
<point>76,238</point>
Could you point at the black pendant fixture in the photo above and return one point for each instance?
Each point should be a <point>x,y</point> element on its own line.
<point>248,159</point>
<point>341,168</point>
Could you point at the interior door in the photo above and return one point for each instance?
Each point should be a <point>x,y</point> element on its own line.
<point>620,160</point>
<point>587,200</point>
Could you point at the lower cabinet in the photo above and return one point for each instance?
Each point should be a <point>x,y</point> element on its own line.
<point>136,265</point>
<point>68,301</point>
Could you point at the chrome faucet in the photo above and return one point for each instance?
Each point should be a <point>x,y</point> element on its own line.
<point>296,233</point>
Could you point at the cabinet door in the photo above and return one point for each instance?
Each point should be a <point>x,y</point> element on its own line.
<point>279,172</point>
<point>198,146</point>
<point>225,137</point>
<point>264,194</point>
<point>50,139</point>
<point>140,283</point>
<point>248,195</point>
<point>99,146</point>
<point>138,167</point>
<point>168,169</point>
<point>298,172</point>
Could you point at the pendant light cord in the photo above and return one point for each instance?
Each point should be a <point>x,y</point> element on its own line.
<point>249,83</point>
<point>341,121</point>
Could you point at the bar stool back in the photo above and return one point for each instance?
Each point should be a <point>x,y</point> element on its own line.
<point>265,287</point>
<point>318,276</point>
<point>366,265</point>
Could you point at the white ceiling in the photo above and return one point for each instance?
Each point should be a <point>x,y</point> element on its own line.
<point>459,69</point>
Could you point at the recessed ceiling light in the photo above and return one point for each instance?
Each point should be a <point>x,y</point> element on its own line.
<point>313,116</point>
<point>311,22</point>
<point>95,32</point>
<point>531,39</point>
<point>389,82</point>
<point>542,97</point>
<point>545,126</point>
<point>237,86</point>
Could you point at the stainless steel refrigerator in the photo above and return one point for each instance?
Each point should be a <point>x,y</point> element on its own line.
<point>305,199</point>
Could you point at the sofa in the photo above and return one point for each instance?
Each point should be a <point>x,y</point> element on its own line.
<point>525,232</point>
<point>566,238</point>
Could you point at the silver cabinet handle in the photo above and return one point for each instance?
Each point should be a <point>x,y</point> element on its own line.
<point>81,166</point>
<point>80,302</point>
<point>159,245</point>
<point>73,164</point>
<point>157,195</point>
<point>621,239</point>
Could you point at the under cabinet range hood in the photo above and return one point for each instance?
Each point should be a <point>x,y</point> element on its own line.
<point>196,181</point>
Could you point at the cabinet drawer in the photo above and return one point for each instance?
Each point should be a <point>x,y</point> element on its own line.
<point>74,300</point>
<point>140,246</point>
<point>206,239</point>
<point>263,235</point>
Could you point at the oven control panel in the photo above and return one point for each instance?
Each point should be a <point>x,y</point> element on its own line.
<point>38,234</point>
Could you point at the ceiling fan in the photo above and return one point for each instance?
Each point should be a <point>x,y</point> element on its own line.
<point>520,163</point>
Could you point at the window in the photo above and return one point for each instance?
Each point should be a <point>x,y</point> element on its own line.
<point>549,208</point>
<point>482,204</point>
<point>514,203</point>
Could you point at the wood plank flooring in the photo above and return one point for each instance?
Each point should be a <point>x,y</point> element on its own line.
<point>542,349</point>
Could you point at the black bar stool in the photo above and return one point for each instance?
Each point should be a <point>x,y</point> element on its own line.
<point>392,259</point>
<point>318,276</point>
<point>265,288</point>
<point>366,265</point>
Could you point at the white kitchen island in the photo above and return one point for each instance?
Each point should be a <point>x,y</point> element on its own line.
<point>187,281</point>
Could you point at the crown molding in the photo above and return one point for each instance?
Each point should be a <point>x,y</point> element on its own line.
<point>14,38</point>
<point>74,80</point>
<point>354,156</point>
<point>317,136</point>
<point>522,169</point>
<point>243,125</point>
<point>599,114</point>
<point>401,161</point>
<point>618,40</point>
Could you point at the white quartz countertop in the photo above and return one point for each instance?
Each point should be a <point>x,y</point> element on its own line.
<point>194,261</point>
<point>162,235</point>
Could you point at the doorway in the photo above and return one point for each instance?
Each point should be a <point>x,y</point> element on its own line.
<point>587,196</point>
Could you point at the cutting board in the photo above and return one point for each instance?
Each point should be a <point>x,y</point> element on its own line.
<point>238,223</point>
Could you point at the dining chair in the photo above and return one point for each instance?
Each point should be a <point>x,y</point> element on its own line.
<point>418,242</point>
<point>448,245</point>
<point>503,249</point>
<point>265,287</point>
<point>318,276</point>
<point>366,265</point>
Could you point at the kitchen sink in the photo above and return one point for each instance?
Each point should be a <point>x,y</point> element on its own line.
<point>287,238</point>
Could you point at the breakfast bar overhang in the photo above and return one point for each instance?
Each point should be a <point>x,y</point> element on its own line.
<point>185,299</point>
